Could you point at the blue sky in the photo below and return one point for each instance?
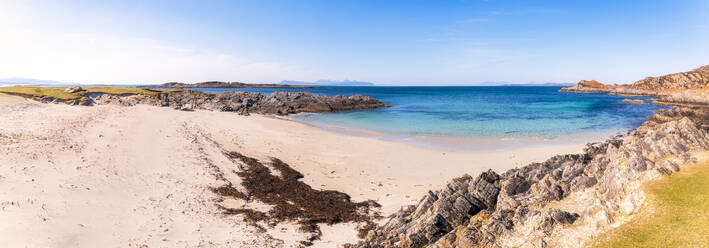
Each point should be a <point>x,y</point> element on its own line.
<point>386,42</point>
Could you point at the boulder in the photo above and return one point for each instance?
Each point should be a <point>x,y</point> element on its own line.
<point>73,89</point>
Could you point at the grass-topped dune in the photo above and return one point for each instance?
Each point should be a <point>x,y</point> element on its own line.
<point>61,93</point>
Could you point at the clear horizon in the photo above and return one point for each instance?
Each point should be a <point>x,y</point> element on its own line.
<point>387,43</point>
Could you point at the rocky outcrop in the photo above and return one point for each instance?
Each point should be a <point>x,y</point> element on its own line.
<point>678,89</point>
<point>280,103</point>
<point>594,86</point>
<point>636,101</point>
<point>561,202</point>
<point>694,79</point>
<point>661,86</point>
<point>686,98</point>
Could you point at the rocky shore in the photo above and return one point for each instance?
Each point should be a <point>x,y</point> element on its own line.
<point>561,202</point>
<point>279,103</point>
<point>568,199</point>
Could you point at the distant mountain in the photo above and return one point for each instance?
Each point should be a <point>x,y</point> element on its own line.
<point>541,84</point>
<point>27,81</point>
<point>490,83</point>
<point>328,83</point>
<point>218,84</point>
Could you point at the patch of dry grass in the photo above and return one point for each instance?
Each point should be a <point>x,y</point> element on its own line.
<point>58,92</point>
<point>53,92</point>
<point>677,214</point>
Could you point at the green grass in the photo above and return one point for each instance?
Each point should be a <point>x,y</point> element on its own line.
<point>58,92</point>
<point>677,214</point>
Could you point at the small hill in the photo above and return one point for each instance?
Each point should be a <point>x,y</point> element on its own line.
<point>27,81</point>
<point>596,84</point>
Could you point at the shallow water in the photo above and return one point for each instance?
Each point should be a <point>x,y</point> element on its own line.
<point>480,112</point>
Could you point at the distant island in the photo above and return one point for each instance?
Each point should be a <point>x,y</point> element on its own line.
<point>323,82</point>
<point>218,84</point>
<point>28,81</point>
<point>542,84</point>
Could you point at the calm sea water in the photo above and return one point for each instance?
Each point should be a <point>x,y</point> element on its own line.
<point>480,112</point>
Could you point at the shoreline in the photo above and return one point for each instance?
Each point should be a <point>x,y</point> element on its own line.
<point>159,153</point>
<point>467,144</point>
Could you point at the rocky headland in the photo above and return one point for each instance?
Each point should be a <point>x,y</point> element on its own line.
<point>663,86</point>
<point>279,103</point>
<point>568,199</point>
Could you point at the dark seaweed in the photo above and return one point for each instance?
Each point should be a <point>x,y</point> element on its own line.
<point>293,200</point>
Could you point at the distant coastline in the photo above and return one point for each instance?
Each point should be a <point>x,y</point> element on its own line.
<point>542,84</point>
<point>328,83</point>
<point>218,84</point>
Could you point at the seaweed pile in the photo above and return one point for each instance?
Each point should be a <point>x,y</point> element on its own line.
<point>291,200</point>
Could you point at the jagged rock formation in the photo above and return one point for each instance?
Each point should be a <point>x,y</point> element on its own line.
<point>561,202</point>
<point>280,103</point>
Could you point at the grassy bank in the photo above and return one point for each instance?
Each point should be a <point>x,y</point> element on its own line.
<point>677,214</point>
<point>58,92</point>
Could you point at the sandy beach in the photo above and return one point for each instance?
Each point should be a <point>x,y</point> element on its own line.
<point>113,176</point>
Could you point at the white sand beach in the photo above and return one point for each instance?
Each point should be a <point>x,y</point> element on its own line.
<point>112,176</point>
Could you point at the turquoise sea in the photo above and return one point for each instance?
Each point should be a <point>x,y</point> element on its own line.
<point>480,111</point>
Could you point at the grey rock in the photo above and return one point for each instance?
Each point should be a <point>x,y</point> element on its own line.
<point>73,89</point>
<point>563,217</point>
<point>279,103</point>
